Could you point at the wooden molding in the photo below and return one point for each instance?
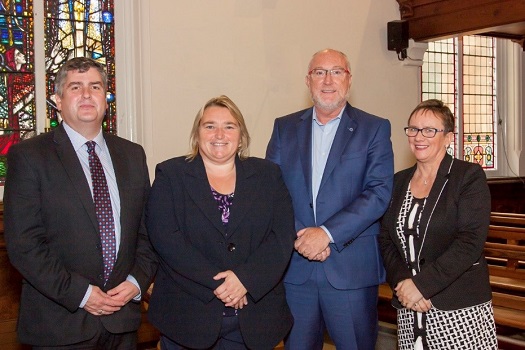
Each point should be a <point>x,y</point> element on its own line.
<point>438,19</point>
<point>406,8</point>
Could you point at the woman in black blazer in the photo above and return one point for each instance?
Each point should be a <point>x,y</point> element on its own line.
<point>432,240</point>
<point>222,225</point>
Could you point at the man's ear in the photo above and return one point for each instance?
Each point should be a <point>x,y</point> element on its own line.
<point>58,101</point>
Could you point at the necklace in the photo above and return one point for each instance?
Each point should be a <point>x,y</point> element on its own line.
<point>428,178</point>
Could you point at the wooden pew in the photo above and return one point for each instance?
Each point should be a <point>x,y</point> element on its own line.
<point>505,254</point>
<point>509,219</point>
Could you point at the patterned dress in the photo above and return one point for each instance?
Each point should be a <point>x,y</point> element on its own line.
<point>470,328</point>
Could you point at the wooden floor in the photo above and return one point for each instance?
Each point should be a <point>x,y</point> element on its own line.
<point>387,341</point>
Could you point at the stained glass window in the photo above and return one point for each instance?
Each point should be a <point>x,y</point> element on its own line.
<point>77,28</point>
<point>17,79</point>
<point>461,72</point>
<point>72,28</point>
<point>439,78</point>
<point>479,100</point>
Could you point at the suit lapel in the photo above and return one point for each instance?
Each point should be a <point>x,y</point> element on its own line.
<point>122,173</point>
<point>196,180</point>
<point>304,140</point>
<point>71,164</point>
<point>401,190</point>
<point>436,191</point>
<point>347,127</point>
<point>245,186</point>
<point>243,200</point>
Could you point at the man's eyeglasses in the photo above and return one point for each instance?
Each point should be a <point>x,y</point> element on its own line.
<point>426,132</point>
<point>319,73</point>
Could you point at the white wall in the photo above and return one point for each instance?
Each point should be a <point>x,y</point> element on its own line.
<point>257,52</point>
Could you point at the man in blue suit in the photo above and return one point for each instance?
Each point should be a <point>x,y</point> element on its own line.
<point>337,162</point>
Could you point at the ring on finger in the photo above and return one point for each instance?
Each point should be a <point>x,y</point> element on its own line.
<point>100,312</point>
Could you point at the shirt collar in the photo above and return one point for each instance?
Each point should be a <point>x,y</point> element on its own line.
<point>78,140</point>
<point>314,117</point>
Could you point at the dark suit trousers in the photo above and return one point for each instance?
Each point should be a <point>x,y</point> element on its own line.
<point>103,340</point>
<point>230,338</point>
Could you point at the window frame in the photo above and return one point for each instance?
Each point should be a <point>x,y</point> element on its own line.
<point>507,106</point>
<point>126,63</point>
<point>128,18</point>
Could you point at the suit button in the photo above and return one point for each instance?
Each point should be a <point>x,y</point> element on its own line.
<point>231,247</point>
<point>422,261</point>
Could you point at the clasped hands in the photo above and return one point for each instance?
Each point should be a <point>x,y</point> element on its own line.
<point>410,297</point>
<point>103,304</point>
<point>313,243</point>
<point>231,292</point>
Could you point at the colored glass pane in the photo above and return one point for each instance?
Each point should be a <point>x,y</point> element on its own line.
<point>479,98</point>
<point>438,76</point>
<point>17,88</point>
<point>464,70</point>
<point>80,28</point>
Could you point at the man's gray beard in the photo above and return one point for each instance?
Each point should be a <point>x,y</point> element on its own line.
<point>328,106</point>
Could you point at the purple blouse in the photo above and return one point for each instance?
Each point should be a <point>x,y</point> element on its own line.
<point>224,202</point>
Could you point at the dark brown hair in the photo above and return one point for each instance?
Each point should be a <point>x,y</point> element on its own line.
<point>82,64</point>
<point>440,110</point>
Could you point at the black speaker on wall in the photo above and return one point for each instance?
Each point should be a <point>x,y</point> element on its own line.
<point>397,35</point>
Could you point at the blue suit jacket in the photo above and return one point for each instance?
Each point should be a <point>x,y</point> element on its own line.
<point>354,192</point>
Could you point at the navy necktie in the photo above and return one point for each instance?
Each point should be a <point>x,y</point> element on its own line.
<point>103,209</point>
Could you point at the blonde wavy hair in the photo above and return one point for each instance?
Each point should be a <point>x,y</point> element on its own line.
<point>225,102</point>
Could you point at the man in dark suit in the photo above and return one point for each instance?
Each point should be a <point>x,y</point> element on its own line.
<point>337,163</point>
<point>74,294</point>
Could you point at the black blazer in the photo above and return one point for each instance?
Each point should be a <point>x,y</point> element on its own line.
<point>453,271</point>
<point>52,237</point>
<point>193,245</point>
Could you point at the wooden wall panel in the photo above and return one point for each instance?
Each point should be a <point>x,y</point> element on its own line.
<point>431,20</point>
<point>10,288</point>
<point>508,195</point>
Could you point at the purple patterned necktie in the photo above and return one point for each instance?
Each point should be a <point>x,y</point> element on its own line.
<point>103,210</point>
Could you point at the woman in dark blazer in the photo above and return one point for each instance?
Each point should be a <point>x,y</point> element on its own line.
<point>222,225</point>
<point>432,240</point>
